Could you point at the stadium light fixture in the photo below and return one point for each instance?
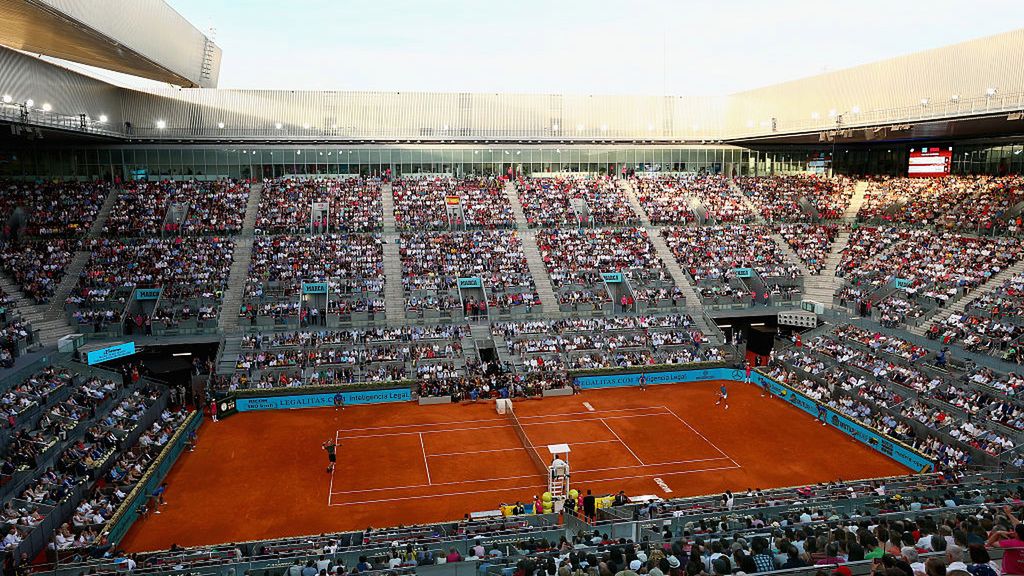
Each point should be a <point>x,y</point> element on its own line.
<point>7,99</point>
<point>554,127</point>
<point>305,126</point>
<point>277,125</point>
<point>855,109</point>
<point>991,92</point>
<point>924,101</point>
<point>220,125</point>
<point>161,124</point>
<point>832,113</point>
<point>103,118</point>
<point>298,152</point>
<point>30,103</point>
<point>47,107</point>
<point>815,115</point>
<point>954,98</point>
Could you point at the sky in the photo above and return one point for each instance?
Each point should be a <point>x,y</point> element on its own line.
<point>653,47</point>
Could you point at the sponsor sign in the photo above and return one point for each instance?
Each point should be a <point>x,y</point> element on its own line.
<point>470,283</point>
<point>314,287</point>
<point>612,277</point>
<point>147,293</point>
<point>110,353</point>
<point>322,400</point>
<point>743,272</point>
<point>901,282</point>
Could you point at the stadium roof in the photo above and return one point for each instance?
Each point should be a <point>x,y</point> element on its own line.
<point>145,38</point>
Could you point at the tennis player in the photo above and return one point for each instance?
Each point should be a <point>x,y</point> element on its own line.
<point>723,396</point>
<point>339,401</point>
<point>643,381</point>
<point>331,446</point>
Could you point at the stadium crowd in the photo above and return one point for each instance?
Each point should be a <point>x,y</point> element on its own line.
<point>354,205</point>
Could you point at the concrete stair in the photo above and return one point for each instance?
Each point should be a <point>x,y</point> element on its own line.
<point>823,287</point>
<point>387,201</point>
<point>228,354</point>
<point>240,260</point>
<point>790,254</point>
<point>101,217</point>
<point>252,208</point>
<point>49,330</point>
<point>71,275</point>
<point>961,304</point>
<point>694,307</point>
<point>517,207</point>
<point>745,200</point>
<point>394,293</point>
<point>539,272</point>
<point>856,201</point>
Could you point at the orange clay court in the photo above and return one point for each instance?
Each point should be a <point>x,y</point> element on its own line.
<point>263,474</point>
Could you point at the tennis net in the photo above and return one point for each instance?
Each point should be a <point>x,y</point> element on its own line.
<point>541,467</point>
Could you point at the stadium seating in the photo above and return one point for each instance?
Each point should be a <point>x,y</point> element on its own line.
<point>420,204</point>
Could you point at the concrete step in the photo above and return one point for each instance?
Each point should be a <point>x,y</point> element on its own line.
<point>859,190</point>
<point>387,201</point>
<point>241,257</point>
<point>252,208</point>
<point>101,217</point>
<point>961,304</point>
<point>67,284</point>
<point>394,292</point>
<point>539,272</point>
<point>517,207</point>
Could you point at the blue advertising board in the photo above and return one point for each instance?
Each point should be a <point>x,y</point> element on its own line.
<point>110,353</point>
<point>669,377</point>
<point>147,293</point>
<point>470,283</point>
<point>864,434</point>
<point>314,287</point>
<point>743,272</point>
<point>612,277</point>
<point>322,400</point>
<point>901,282</point>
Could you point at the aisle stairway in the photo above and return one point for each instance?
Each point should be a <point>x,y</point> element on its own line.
<point>394,294</point>
<point>694,307</point>
<point>961,304</point>
<point>387,200</point>
<point>823,287</point>
<point>539,272</point>
<point>517,208</point>
<point>745,200</point>
<point>49,331</point>
<point>856,201</point>
<point>240,260</point>
<point>252,208</point>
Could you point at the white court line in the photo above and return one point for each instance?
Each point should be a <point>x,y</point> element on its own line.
<point>626,446</point>
<point>425,464</point>
<point>687,424</point>
<point>330,487</point>
<point>588,406</point>
<point>513,449</point>
<point>497,419</point>
<point>503,478</point>
<point>506,425</point>
<point>523,487</point>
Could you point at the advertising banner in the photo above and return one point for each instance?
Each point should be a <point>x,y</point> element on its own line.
<point>314,287</point>
<point>612,277</point>
<point>743,272</point>
<point>470,283</point>
<point>147,293</point>
<point>322,400</point>
<point>110,353</point>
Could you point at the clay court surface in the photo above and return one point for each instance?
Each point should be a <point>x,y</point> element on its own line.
<point>262,474</point>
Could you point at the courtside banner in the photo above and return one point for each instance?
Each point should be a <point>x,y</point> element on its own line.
<point>898,452</point>
<point>321,400</point>
<point>669,377</point>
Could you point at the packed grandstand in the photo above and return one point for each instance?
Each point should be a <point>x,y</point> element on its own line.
<point>680,316</point>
